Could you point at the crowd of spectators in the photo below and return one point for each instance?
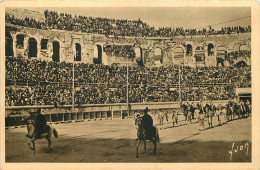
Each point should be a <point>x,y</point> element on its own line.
<point>238,76</point>
<point>224,92</point>
<point>237,54</point>
<point>115,27</point>
<point>37,95</point>
<point>99,84</point>
<point>26,22</point>
<point>120,50</point>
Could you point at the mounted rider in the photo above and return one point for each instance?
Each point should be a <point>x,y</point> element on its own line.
<point>147,122</point>
<point>40,124</point>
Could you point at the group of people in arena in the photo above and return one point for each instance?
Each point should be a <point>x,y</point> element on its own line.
<point>200,112</point>
<point>209,111</point>
<point>115,27</point>
<point>36,82</point>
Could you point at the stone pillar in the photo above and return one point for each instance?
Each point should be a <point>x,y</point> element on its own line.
<point>38,48</point>
<point>14,44</point>
<point>26,45</point>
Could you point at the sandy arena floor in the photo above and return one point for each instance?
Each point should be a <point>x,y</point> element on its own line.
<point>114,141</point>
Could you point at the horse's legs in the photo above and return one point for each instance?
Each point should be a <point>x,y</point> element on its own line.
<point>145,147</point>
<point>138,143</point>
<point>49,143</point>
<point>34,149</point>
<point>154,143</point>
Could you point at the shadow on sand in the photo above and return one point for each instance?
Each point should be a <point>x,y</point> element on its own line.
<point>123,150</point>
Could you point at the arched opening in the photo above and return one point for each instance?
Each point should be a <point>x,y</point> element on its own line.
<point>221,52</point>
<point>138,55</point>
<point>56,51</point>
<point>210,49</point>
<point>189,50</point>
<point>32,47</point>
<point>243,47</point>
<point>241,64</point>
<point>158,55</point>
<point>20,41</point>
<point>221,55</point>
<point>44,44</point>
<point>78,52</point>
<point>178,53</point>
<point>98,55</point>
<point>199,54</point>
<point>8,44</point>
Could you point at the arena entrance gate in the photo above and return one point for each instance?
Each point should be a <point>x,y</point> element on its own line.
<point>244,94</point>
<point>32,48</point>
<point>56,51</point>
<point>8,44</point>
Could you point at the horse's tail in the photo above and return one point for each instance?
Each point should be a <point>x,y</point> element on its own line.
<point>55,133</point>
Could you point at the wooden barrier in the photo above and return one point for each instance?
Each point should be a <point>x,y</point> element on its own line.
<point>15,114</point>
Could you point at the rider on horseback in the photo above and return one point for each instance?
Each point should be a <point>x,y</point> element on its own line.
<point>40,123</point>
<point>147,122</point>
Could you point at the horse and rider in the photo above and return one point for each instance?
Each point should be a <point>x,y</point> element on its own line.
<point>38,129</point>
<point>146,131</point>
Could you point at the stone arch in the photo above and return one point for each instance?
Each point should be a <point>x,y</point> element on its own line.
<point>240,63</point>
<point>32,43</point>
<point>56,51</point>
<point>44,44</point>
<point>98,54</point>
<point>158,54</point>
<point>221,55</point>
<point>221,51</point>
<point>8,44</point>
<point>199,54</point>
<point>189,50</point>
<point>78,52</point>
<point>210,49</point>
<point>179,53</point>
<point>139,55</point>
<point>20,41</point>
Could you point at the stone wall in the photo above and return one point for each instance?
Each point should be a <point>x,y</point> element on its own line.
<point>149,46</point>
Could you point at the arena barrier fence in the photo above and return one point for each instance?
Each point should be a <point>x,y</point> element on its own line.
<point>63,114</point>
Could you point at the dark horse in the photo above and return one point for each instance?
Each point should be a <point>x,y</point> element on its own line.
<point>142,136</point>
<point>47,133</point>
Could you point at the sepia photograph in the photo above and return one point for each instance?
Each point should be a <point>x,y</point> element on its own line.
<point>144,84</point>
